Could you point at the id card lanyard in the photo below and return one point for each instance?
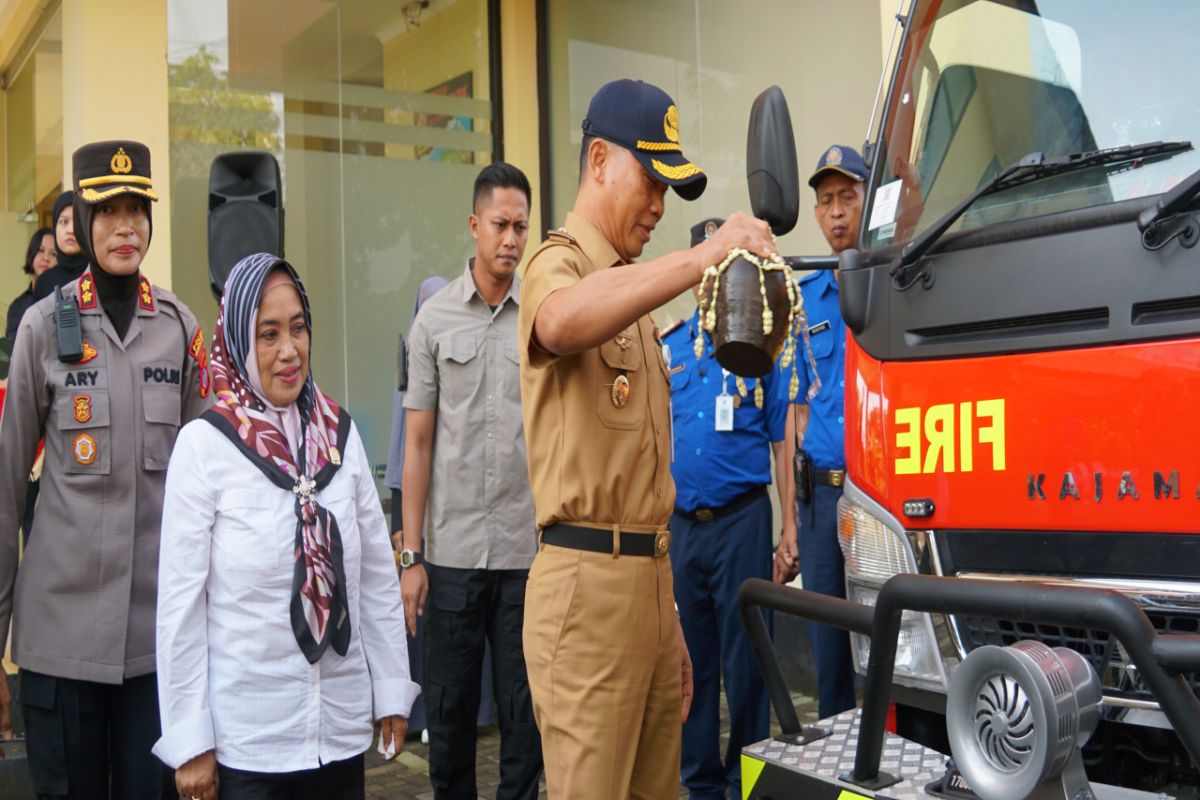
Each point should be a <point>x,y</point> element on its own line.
<point>724,412</point>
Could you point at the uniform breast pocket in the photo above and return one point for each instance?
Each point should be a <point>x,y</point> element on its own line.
<point>82,419</point>
<point>620,389</point>
<point>160,407</point>
<point>680,379</point>
<point>822,344</point>
<point>460,366</point>
<point>246,538</point>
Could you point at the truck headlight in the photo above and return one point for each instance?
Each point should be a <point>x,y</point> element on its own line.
<point>875,547</point>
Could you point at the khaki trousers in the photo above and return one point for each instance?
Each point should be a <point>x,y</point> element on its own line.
<point>602,652</point>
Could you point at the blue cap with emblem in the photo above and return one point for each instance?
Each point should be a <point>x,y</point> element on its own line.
<point>704,229</point>
<point>842,159</point>
<point>643,119</point>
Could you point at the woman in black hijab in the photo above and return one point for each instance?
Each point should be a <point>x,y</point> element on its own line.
<point>71,259</point>
<point>39,257</point>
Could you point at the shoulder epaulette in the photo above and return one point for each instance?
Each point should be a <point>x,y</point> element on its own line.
<point>561,235</point>
<point>667,331</point>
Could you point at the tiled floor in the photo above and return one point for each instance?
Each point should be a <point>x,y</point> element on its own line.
<point>407,777</point>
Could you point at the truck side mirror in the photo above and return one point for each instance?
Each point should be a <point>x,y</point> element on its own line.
<point>771,170</point>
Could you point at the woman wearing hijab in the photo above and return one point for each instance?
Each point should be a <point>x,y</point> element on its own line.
<point>71,260</point>
<point>109,403</point>
<point>280,622</point>
<point>39,257</point>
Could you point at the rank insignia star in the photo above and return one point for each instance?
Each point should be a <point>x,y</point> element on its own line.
<point>87,292</point>
<point>145,295</point>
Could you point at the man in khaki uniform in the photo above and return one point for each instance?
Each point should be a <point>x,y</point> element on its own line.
<point>82,602</point>
<point>608,671</point>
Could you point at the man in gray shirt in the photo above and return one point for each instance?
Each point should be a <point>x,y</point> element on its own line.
<point>464,461</point>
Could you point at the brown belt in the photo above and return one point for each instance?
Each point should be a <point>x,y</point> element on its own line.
<point>599,540</point>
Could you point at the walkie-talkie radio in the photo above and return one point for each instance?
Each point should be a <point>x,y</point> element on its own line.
<point>70,331</point>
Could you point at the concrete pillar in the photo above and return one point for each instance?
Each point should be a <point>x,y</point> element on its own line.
<point>115,87</point>
<point>522,140</point>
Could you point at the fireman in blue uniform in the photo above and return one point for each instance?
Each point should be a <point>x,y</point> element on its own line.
<point>818,424</point>
<point>720,536</point>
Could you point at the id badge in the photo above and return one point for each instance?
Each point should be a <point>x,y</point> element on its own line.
<point>724,415</point>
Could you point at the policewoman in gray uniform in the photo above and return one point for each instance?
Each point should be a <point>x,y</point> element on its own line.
<point>109,401</point>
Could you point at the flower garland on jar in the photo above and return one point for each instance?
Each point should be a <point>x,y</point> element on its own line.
<point>797,323</point>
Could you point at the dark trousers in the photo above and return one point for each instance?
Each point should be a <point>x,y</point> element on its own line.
<point>338,780</point>
<point>822,569</point>
<point>710,560</point>
<point>416,670</point>
<point>467,607</point>
<point>91,741</point>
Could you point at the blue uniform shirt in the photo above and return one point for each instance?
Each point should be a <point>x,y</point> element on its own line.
<point>824,440</point>
<point>713,467</point>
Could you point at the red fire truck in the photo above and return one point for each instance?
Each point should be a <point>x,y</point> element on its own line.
<point>1023,365</point>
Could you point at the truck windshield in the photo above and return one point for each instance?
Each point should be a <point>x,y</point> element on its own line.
<point>983,83</point>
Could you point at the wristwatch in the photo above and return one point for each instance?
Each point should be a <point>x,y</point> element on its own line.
<point>410,558</point>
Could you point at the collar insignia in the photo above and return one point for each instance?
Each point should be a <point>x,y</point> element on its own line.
<point>145,294</point>
<point>87,292</point>
<point>196,348</point>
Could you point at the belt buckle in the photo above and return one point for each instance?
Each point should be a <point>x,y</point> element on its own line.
<point>704,515</point>
<point>662,543</point>
<point>837,477</point>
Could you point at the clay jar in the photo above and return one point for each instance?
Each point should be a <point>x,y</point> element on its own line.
<point>741,346</point>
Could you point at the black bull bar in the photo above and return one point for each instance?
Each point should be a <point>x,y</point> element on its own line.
<point>1160,658</point>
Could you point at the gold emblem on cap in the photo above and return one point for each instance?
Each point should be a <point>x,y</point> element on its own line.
<point>671,124</point>
<point>834,157</point>
<point>121,162</point>
<point>710,228</point>
<point>620,391</point>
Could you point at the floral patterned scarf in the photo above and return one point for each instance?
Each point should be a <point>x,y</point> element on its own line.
<point>319,609</point>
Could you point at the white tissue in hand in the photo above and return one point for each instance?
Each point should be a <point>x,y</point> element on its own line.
<point>390,751</point>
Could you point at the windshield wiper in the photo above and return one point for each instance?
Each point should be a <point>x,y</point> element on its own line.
<point>1159,224</point>
<point>1032,167</point>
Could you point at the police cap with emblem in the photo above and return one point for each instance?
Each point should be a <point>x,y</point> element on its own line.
<point>704,229</point>
<point>841,159</point>
<point>103,170</point>
<point>643,119</point>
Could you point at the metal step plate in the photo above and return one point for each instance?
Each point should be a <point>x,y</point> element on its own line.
<point>774,770</point>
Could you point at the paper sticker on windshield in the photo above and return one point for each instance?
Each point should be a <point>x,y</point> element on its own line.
<point>887,197</point>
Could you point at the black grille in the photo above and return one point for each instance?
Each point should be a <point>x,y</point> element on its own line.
<point>1096,646</point>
